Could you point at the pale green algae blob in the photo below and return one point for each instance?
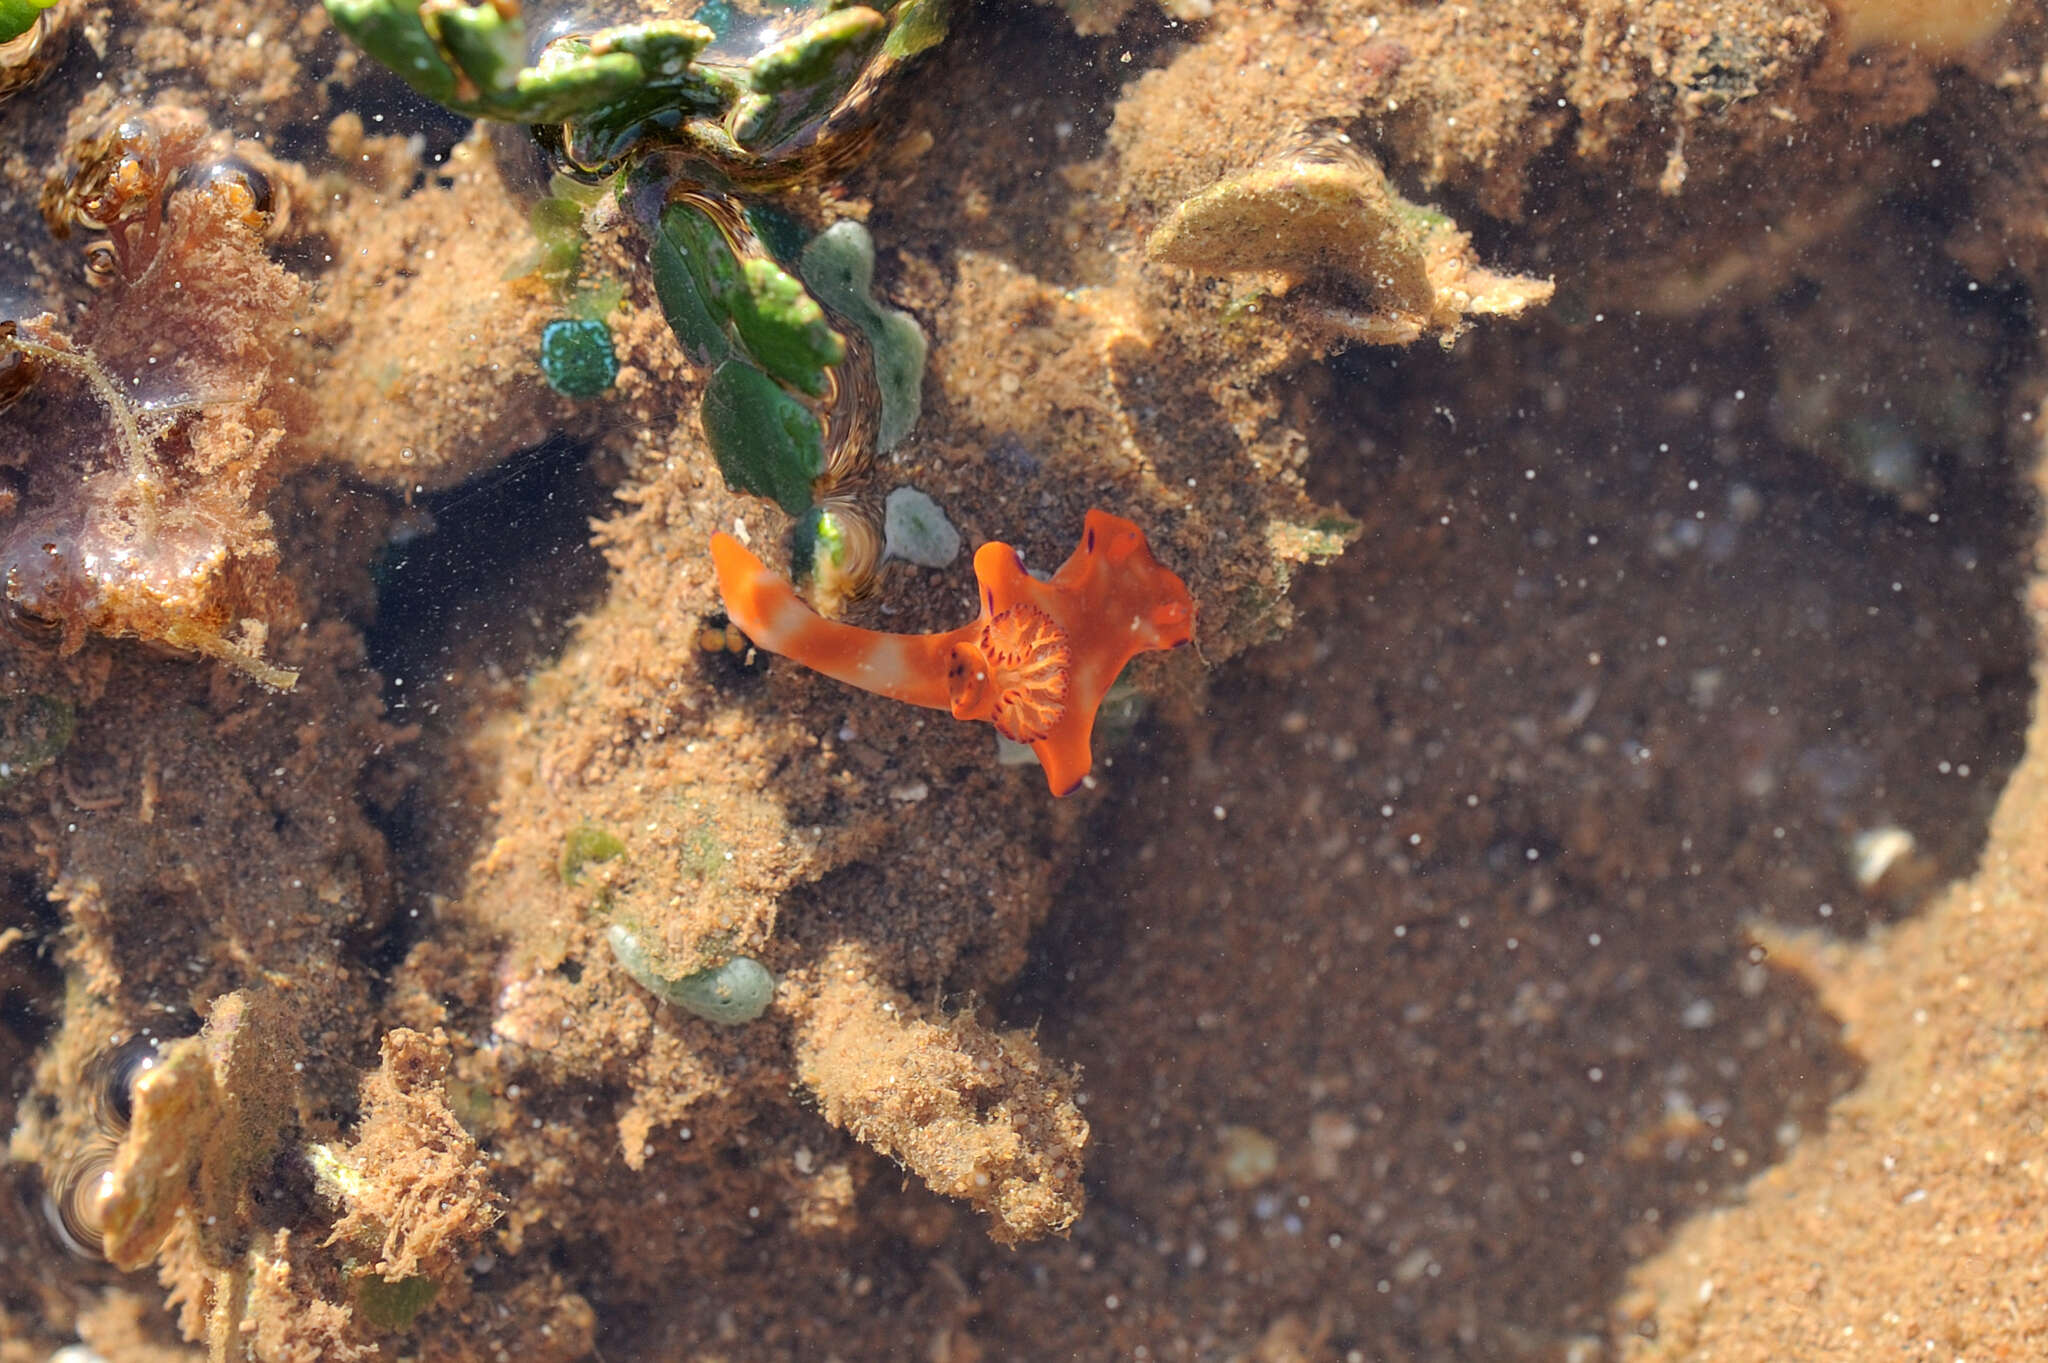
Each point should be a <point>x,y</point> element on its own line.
<point>738,991</point>
<point>34,731</point>
<point>394,1306</point>
<point>584,844</point>
<point>839,265</point>
<point>576,357</point>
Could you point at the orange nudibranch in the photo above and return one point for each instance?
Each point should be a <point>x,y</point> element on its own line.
<point>1036,664</point>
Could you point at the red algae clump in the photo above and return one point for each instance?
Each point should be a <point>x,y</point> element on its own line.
<point>142,458</point>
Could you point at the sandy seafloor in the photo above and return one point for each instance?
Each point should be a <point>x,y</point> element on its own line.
<point>1464,954</point>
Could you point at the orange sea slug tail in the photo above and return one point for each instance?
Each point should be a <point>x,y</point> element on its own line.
<point>754,597</point>
<point>767,610</point>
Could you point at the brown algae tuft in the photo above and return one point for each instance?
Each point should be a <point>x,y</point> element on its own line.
<point>143,442</point>
<point>1937,28</point>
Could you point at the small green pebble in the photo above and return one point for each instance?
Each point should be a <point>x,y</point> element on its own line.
<point>584,844</point>
<point>916,531</point>
<point>738,991</point>
<point>577,357</point>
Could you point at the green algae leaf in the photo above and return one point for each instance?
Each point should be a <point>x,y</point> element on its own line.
<point>916,26</point>
<point>669,87</point>
<point>569,81</point>
<point>486,46</point>
<point>695,274</point>
<point>802,77</point>
<point>557,253</point>
<point>392,32</point>
<point>819,54</point>
<point>596,301</point>
<point>784,329</point>
<point>665,48</point>
<point>609,87</point>
<point>702,287</point>
<point>766,442</point>
<point>19,16</point>
<point>781,234</point>
<point>839,266</point>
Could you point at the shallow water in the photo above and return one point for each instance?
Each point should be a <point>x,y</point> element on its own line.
<point>1560,908</point>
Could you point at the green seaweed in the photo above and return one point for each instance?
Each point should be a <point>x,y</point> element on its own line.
<point>799,79</point>
<point>781,235</point>
<point>557,223</point>
<point>817,536</point>
<point>766,442</point>
<point>673,89</point>
<point>472,58</point>
<point>19,16</point>
<point>694,272</point>
<point>598,301</point>
<point>784,329</point>
<point>915,26</point>
<point>716,303</point>
<point>615,88</point>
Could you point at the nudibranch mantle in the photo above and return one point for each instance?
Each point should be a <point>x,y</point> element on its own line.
<point>1036,664</point>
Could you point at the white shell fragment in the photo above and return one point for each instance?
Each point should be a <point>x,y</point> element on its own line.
<point>1876,853</point>
<point>916,531</point>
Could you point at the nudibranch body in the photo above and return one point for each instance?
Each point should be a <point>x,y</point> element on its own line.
<point>1036,664</point>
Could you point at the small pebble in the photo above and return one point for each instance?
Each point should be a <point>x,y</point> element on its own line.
<point>916,531</point>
